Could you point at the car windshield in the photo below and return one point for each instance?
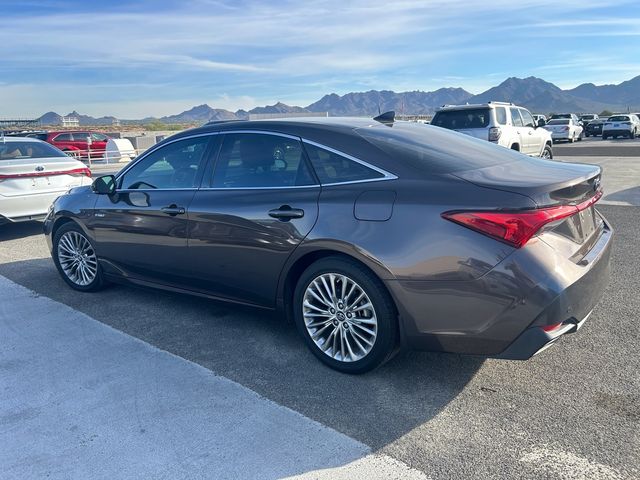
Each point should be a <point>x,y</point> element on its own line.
<point>619,118</point>
<point>22,150</point>
<point>462,119</point>
<point>559,121</point>
<point>433,150</point>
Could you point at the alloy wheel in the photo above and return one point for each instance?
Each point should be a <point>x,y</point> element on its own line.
<point>339,317</point>
<point>77,258</point>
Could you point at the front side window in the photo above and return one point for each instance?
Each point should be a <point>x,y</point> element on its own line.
<point>172,166</point>
<point>527,118</point>
<point>516,119</point>
<point>257,160</point>
<point>335,168</point>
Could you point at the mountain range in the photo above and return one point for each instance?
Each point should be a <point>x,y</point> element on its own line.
<point>534,93</point>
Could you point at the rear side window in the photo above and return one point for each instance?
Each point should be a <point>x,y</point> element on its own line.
<point>462,119</point>
<point>256,160</point>
<point>516,119</point>
<point>501,115</point>
<point>63,137</point>
<point>81,136</point>
<point>332,167</point>
<point>24,150</point>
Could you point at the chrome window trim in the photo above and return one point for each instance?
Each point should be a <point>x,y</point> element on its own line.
<point>261,188</point>
<point>386,175</point>
<point>263,132</point>
<point>132,190</point>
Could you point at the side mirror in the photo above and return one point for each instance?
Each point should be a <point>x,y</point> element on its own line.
<point>541,122</point>
<point>104,185</point>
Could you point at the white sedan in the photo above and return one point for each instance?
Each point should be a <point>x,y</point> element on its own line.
<point>32,175</point>
<point>564,129</point>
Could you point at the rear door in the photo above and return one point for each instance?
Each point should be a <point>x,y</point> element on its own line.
<point>532,139</point>
<point>519,130</point>
<point>141,230</point>
<point>261,202</point>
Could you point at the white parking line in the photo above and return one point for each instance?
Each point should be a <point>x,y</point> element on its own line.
<point>79,399</point>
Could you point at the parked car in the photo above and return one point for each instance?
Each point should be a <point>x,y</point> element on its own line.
<point>369,237</point>
<point>32,175</point>
<point>538,117</point>
<point>504,124</point>
<point>621,125</point>
<point>565,129</point>
<point>75,143</point>
<point>588,117</point>
<point>572,116</point>
<point>594,127</point>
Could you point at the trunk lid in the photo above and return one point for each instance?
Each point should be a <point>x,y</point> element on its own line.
<point>549,184</point>
<point>40,175</point>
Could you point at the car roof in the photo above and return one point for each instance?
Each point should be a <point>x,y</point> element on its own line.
<point>19,139</point>
<point>476,105</point>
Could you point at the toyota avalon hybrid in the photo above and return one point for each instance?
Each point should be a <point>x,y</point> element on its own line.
<point>371,235</point>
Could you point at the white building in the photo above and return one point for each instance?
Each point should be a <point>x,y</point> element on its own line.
<point>70,122</point>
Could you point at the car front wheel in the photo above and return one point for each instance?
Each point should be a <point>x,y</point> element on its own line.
<point>345,315</point>
<point>75,258</point>
<point>547,152</point>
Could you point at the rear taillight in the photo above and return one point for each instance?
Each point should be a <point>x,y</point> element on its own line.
<point>76,172</point>
<point>494,134</point>
<point>516,227</point>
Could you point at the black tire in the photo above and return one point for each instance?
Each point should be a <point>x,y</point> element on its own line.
<point>98,281</point>
<point>604,137</point>
<point>586,135</point>
<point>547,150</point>
<point>386,339</point>
<point>581,136</point>
<point>632,135</point>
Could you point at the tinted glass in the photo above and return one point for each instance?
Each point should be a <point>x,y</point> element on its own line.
<point>334,168</point>
<point>260,160</point>
<point>516,119</point>
<point>461,119</point>
<point>39,136</point>
<point>619,118</point>
<point>559,121</point>
<point>174,165</point>
<point>99,137</point>
<point>527,118</point>
<point>434,150</point>
<point>81,136</point>
<point>22,150</point>
<point>501,115</point>
<point>63,137</point>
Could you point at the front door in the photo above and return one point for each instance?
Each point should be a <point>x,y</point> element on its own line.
<point>261,203</point>
<point>141,230</point>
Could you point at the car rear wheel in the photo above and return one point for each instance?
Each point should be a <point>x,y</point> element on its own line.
<point>632,134</point>
<point>345,315</point>
<point>75,258</point>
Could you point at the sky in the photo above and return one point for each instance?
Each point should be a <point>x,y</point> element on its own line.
<point>134,59</point>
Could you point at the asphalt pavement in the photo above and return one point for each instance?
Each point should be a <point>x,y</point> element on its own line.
<point>125,359</point>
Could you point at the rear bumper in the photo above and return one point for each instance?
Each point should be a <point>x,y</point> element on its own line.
<point>618,131</point>
<point>27,207</point>
<point>502,314</point>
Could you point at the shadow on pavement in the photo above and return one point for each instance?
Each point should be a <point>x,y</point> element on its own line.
<point>629,195</point>
<point>13,231</point>
<point>258,350</point>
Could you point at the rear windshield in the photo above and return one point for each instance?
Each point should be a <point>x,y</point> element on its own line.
<point>435,150</point>
<point>559,121</point>
<point>22,150</point>
<point>461,119</point>
<point>619,118</point>
<point>562,115</point>
<point>587,117</point>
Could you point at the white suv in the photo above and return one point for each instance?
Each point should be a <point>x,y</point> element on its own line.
<point>621,125</point>
<point>501,123</point>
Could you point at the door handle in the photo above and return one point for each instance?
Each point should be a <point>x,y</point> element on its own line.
<point>173,210</point>
<point>286,213</point>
